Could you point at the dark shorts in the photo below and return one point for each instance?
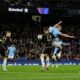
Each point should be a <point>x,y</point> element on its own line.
<point>47,50</point>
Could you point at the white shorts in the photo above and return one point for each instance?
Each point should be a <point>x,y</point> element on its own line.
<point>10,56</point>
<point>56,44</point>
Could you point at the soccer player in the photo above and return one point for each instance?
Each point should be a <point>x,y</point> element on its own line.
<point>56,31</point>
<point>47,43</point>
<point>3,55</point>
<point>11,52</point>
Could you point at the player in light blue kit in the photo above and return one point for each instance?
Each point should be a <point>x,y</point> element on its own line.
<point>56,31</point>
<point>11,52</point>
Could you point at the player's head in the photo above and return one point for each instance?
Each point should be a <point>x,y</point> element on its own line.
<point>46,30</point>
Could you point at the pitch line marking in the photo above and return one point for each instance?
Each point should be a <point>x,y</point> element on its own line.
<point>38,72</point>
<point>40,78</point>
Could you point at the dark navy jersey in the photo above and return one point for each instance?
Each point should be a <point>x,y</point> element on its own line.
<point>47,39</point>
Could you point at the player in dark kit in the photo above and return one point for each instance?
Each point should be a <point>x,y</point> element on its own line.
<point>3,55</point>
<point>46,51</point>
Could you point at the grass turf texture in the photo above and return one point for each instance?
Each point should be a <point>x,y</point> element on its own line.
<point>34,73</point>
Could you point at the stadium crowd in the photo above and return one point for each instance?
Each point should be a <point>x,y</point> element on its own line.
<point>24,37</point>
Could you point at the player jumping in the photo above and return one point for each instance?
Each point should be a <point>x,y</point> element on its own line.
<point>56,31</point>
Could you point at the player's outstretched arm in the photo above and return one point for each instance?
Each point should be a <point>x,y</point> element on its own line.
<point>58,23</point>
<point>68,36</point>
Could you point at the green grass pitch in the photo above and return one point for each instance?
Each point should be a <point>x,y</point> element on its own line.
<point>34,73</point>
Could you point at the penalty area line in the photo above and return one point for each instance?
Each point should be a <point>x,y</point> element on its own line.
<point>36,73</point>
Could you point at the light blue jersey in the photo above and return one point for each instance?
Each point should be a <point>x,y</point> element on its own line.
<point>54,31</point>
<point>11,50</point>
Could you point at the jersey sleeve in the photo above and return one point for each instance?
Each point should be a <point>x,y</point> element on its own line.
<point>58,32</point>
<point>8,48</point>
<point>51,29</point>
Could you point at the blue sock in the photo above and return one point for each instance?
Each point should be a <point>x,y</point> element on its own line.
<point>55,50</point>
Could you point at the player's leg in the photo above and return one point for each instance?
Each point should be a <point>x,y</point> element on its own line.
<point>54,53</point>
<point>42,60</point>
<point>48,54</point>
<point>59,54</point>
<point>42,57</point>
<point>10,57</point>
<point>4,63</point>
<point>58,47</point>
<point>4,57</point>
<point>47,61</point>
<point>57,44</point>
<point>54,56</point>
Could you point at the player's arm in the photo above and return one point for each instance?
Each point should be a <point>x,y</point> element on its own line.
<point>3,46</point>
<point>66,44</point>
<point>7,51</point>
<point>15,50</point>
<point>58,23</point>
<point>50,39</point>
<point>68,36</point>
